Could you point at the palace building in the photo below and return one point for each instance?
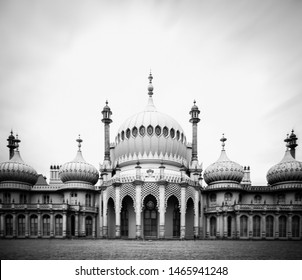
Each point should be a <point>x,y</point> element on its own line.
<point>150,186</point>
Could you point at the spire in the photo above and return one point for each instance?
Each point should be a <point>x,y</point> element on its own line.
<point>150,106</point>
<point>17,141</point>
<point>223,139</point>
<point>291,143</point>
<point>150,86</point>
<point>11,144</point>
<point>79,140</point>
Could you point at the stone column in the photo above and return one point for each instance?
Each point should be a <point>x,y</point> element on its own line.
<point>100,215</point>
<point>39,225</point>
<point>263,226</point>
<point>289,226</point>
<point>196,214</point>
<point>64,224</point>
<point>2,225</point>
<point>117,210</point>
<point>225,225</point>
<point>93,226</point>
<point>237,226</point>
<point>83,228</point>
<point>51,224</point>
<point>202,218</point>
<point>276,226</point>
<point>14,225</point>
<point>105,214</point>
<point>208,227</point>
<point>162,210</point>
<point>138,208</point>
<point>183,207</point>
<point>250,226</point>
<point>218,226</point>
<point>76,224</point>
<point>26,225</point>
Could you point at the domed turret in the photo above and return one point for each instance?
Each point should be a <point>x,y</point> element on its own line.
<point>78,169</point>
<point>150,135</point>
<point>223,169</point>
<point>16,170</point>
<point>288,169</point>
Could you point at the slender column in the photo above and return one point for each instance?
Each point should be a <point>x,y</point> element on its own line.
<point>2,225</point>
<point>225,225</point>
<point>26,225</point>
<point>162,211</point>
<point>83,229</point>
<point>208,227</point>
<point>39,225</point>
<point>237,226</point>
<point>183,211</point>
<point>276,226</point>
<point>51,225</point>
<point>196,214</point>
<point>100,214</point>
<point>250,226</point>
<point>202,218</point>
<point>263,226</point>
<point>218,226</point>
<point>105,213</point>
<point>93,226</point>
<point>117,211</point>
<point>14,225</point>
<point>76,224</point>
<point>64,224</point>
<point>289,226</point>
<point>138,208</point>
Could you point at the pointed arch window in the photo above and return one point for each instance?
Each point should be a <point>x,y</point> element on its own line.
<point>134,131</point>
<point>257,199</point>
<point>88,225</point>
<point>46,225</point>
<point>213,224</point>
<point>21,225</point>
<point>158,130</point>
<point>243,226</point>
<point>172,133</point>
<point>142,130</point>
<point>269,226</point>
<point>282,226</point>
<point>58,225</point>
<point>33,225</point>
<point>256,226</point>
<point>296,226</point>
<point>150,130</point>
<point>165,131</point>
<point>128,133</point>
<point>9,225</point>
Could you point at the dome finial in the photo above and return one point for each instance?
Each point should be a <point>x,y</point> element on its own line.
<point>17,141</point>
<point>150,86</point>
<point>79,140</point>
<point>223,139</point>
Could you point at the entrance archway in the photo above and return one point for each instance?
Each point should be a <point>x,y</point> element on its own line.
<point>150,217</point>
<point>172,218</point>
<point>128,225</point>
<point>111,218</point>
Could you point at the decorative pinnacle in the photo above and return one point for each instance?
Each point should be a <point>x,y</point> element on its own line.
<point>223,139</point>
<point>286,140</point>
<point>79,140</point>
<point>17,141</point>
<point>150,86</point>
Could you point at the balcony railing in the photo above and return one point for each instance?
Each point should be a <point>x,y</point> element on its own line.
<point>48,206</point>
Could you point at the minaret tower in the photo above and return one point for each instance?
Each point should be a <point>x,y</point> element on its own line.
<point>12,144</point>
<point>291,143</point>
<point>107,120</point>
<point>194,120</point>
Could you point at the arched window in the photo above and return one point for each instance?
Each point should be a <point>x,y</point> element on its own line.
<point>6,197</point>
<point>73,198</point>
<point>229,226</point>
<point>58,225</point>
<point>228,197</point>
<point>281,198</point>
<point>88,200</point>
<point>172,133</point>
<point>213,226</point>
<point>298,197</point>
<point>134,131</point>
<point>142,130</point>
<point>296,226</point>
<point>33,221</point>
<point>256,226</point>
<point>46,199</point>
<point>177,135</point>
<point>243,226</point>
<point>257,199</point>
<point>21,225</point>
<point>88,226</point>
<point>9,225</point>
<point>123,135</point>
<point>23,198</point>
<point>46,225</point>
<point>158,130</point>
<point>165,131</point>
<point>282,226</point>
<point>212,199</point>
<point>269,226</point>
<point>150,130</point>
<point>128,133</point>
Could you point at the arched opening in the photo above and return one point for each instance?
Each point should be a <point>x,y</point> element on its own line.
<point>243,226</point>
<point>46,225</point>
<point>256,226</point>
<point>150,217</point>
<point>21,225</point>
<point>296,226</point>
<point>128,223</point>
<point>172,218</point>
<point>58,225</point>
<point>9,225</point>
<point>229,226</point>
<point>213,227</point>
<point>88,226</point>
<point>190,219</point>
<point>111,218</point>
<point>72,225</point>
<point>282,226</point>
<point>33,221</point>
<point>269,226</point>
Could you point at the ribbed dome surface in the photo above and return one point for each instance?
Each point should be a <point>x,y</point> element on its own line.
<point>288,169</point>
<point>223,170</point>
<point>79,170</point>
<point>151,133</point>
<point>17,170</point>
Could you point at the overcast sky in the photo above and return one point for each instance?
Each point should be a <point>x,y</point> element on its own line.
<point>241,61</point>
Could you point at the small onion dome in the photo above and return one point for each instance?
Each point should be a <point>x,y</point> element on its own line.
<point>288,169</point>
<point>223,169</point>
<point>18,171</point>
<point>79,170</point>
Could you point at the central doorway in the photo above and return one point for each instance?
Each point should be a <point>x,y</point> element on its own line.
<point>150,217</point>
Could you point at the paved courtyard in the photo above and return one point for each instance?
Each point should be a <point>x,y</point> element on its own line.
<point>133,249</point>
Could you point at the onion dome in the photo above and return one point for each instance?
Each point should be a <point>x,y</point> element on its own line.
<point>79,169</point>
<point>287,170</point>
<point>150,135</point>
<point>223,169</point>
<point>16,170</point>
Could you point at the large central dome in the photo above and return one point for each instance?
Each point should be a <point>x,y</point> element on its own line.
<point>150,135</point>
